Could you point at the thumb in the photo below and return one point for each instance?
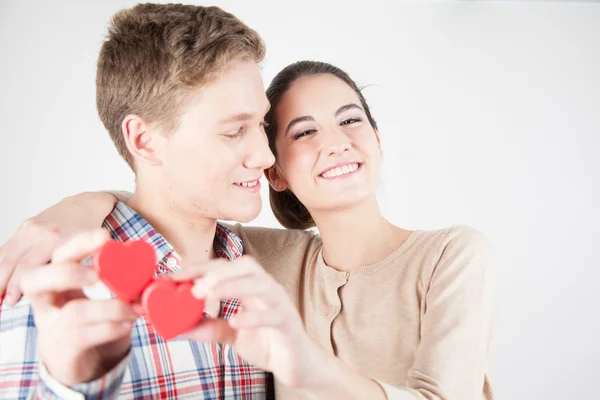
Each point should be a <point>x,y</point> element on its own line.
<point>80,246</point>
<point>212,330</point>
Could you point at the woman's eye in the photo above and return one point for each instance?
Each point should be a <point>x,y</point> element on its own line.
<point>350,121</point>
<point>304,133</point>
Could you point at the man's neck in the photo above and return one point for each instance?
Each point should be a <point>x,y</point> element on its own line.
<point>192,236</point>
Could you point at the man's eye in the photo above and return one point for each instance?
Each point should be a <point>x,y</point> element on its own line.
<point>235,134</point>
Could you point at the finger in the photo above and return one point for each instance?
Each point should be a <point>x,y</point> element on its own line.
<point>16,247</point>
<point>251,319</point>
<point>219,268</point>
<point>82,312</point>
<point>56,278</point>
<point>35,257</point>
<point>214,275</point>
<point>212,283</point>
<point>212,330</point>
<point>10,255</point>
<point>24,256</point>
<point>13,289</point>
<point>93,335</point>
<point>20,243</point>
<point>81,246</point>
<point>41,252</point>
<point>5,277</point>
<point>189,272</point>
<point>13,293</point>
<point>12,252</point>
<point>254,291</point>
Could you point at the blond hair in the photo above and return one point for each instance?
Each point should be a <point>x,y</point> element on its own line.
<point>155,55</point>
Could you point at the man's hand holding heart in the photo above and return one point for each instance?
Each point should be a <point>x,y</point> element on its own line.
<point>267,331</point>
<point>128,268</point>
<point>79,339</point>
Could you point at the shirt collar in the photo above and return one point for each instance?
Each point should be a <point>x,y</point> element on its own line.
<point>126,224</point>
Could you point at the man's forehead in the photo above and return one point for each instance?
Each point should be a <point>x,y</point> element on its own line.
<point>246,115</point>
<point>231,99</point>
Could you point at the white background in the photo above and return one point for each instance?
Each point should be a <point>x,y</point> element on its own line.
<point>490,116</point>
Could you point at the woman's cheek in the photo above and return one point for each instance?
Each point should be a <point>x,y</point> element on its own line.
<point>299,166</point>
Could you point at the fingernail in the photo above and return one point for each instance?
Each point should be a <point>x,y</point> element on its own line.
<point>199,290</point>
<point>89,275</point>
<point>7,300</point>
<point>138,309</point>
<point>100,234</point>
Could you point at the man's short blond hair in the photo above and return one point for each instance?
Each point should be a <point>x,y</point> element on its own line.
<point>155,55</point>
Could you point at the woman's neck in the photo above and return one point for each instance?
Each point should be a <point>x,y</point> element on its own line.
<point>357,236</point>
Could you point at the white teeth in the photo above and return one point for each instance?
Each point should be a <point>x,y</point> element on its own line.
<point>249,184</point>
<point>339,171</point>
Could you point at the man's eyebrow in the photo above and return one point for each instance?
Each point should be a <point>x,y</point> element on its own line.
<point>236,118</point>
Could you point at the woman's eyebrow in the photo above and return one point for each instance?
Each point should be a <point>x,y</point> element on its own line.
<point>297,121</point>
<point>348,107</point>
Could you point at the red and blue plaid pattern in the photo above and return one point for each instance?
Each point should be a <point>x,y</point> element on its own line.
<point>154,369</point>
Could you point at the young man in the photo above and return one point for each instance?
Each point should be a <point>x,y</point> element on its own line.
<point>180,92</point>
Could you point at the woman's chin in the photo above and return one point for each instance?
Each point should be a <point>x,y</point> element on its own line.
<point>344,201</point>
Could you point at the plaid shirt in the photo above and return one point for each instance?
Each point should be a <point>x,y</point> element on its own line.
<point>154,369</point>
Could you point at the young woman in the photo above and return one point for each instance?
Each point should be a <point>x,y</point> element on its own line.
<point>409,309</point>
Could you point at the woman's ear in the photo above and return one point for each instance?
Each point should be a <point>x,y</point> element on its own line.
<point>139,140</point>
<point>378,140</point>
<point>277,181</point>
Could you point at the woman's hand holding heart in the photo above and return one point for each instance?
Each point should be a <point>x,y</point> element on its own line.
<point>267,331</point>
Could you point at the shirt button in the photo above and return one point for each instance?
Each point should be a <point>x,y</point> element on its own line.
<point>333,311</point>
<point>171,262</point>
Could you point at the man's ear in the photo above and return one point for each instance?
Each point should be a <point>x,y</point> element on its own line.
<point>277,181</point>
<point>139,140</point>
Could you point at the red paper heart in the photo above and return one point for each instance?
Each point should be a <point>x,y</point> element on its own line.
<point>126,268</point>
<point>171,308</point>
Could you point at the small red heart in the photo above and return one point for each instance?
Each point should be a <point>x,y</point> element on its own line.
<point>126,268</point>
<point>171,308</point>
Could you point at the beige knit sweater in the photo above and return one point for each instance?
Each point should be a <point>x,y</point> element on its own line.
<point>419,322</point>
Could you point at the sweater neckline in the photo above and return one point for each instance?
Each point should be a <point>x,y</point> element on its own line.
<point>368,269</point>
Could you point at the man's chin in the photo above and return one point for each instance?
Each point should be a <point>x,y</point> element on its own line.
<point>245,213</point>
